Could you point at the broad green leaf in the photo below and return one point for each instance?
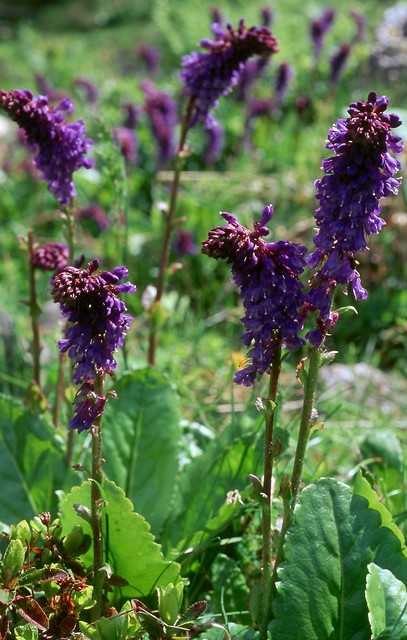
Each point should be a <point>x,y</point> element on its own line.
<point>32,464</point>
<point>12,562</point>
<point>387,603</point>
<point>132,552</point>
<point>141,438</point>
<point>384,452</point>
<point>334,537</point>
<point>209,478</point>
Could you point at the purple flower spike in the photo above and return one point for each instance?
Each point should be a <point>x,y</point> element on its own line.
<point>126,140</point>
<point>338,62</point>
<point>52,256</point>
<point>359,174</point>
<point>60,148</point>
<point>267,276</point>
<point>208,76</point>
<point>161,111</point>
<point>98,317</point>
<point>319,28</point>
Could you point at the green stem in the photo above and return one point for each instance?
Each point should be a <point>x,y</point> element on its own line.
<point>34,311</point>
<point>267,494</point>
<point>69,228</point>
<point>302,442</point>
<point>97,506</point>
<point>169,227</point>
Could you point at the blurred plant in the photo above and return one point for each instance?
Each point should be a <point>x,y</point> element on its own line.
<point>319,28</point>
<point>206,77</point>
<point>161,111</point>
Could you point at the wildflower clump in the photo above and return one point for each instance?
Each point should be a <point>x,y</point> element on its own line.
<point>98,317</point>
<point>267,274</point>
<point>60,148</point>
<point>357,177</point>
<point>98,323</point>
<point>210,75</point>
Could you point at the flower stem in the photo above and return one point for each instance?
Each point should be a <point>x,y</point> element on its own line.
<point>69,231</point>
<point>303,437</point>
<point>169,227</point>
<point>267,493</point>
<point>34,311</point>
<point>97,506</point>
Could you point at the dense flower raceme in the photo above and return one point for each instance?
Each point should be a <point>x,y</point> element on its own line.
<point>267,276</point>
<point>60,147</point>
<point>210,75</point>
<point>359,174</point>
<point>98,326</point>
<point>52,256</point>
<point>98,317</point>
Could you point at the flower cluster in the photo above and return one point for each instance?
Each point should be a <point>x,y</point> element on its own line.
<point>98,317</point>
<point>267,275</point>
<point>96,216</point>
<point>359,174</point>
<point>210,75</point>
<point>52,256</point>
<point>98,326</point>
<point>60,147</point>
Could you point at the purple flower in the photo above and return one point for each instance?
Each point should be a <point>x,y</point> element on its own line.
<point>337,62</point>
<point>127,141</point>
<point>251,71</point>
<point>98,317</point>
<point>161,111</point>
<point>360,23</point>
<point>283,78</point>
<point>184,243</point>
<point>96,215</point>
<point>60,148</point>
<point>151,58</point>
<point>132,114</point>
<point>210,75</point>
<point>45,88</point>
<point>359,174</point>
<point>267,276</point>
<point>216,139</point>
<point>266,16</point>
<point>319,28</point>
<point>89,88</point>
<point>88,407</point>
<point>52,256</point>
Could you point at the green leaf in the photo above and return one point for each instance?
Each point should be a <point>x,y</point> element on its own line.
<point>169,601</point>
<point>26,632</point>
<point>208,480</point>
<point>12,562</point>
<point>334,537</point>
<point>32,463</point>
<point>387,603</point>
<point>132,552</point>
<point>141,433</point>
